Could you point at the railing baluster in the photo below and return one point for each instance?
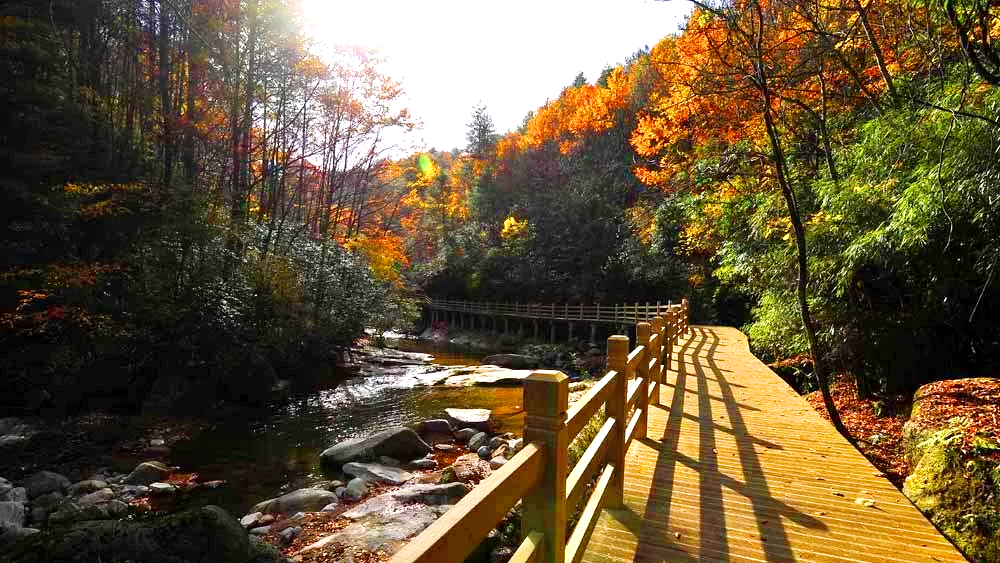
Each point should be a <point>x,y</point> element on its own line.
<point>642,331</point>
<point>617,361</point>
<point>657,351</point>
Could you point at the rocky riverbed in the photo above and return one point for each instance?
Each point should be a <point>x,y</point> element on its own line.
<point>52,493</point>
<point>394,484</point>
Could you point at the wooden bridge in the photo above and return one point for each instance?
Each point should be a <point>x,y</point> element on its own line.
<point>704,455</point>
<point>498,317</point>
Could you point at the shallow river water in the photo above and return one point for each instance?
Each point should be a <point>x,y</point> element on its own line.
<point>262,453</point>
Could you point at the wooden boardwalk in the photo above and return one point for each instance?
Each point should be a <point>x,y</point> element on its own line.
<point>738,467</point>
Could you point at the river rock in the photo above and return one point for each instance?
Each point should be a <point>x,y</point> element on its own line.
<point>162,488</point>
<point>390,461</point>
<point>289,534</point>
<point>434,426</point>
<point>448,493</point>
<point>496,441</point>
<point>50,501</point>
<point>384,531</point>
<point>377,473</point>
<point>340,491</point>
<point>11,514</point>
<point>385,522</point>
<point>45,482</point>
<point>96,497</point>
<point>250,520</point>
<point>444,448</point>
<point>301,499</point>
<point>477,441</point>
<point>148,472</point>
<point>483,376</point>
<point>471,418</point>
<point>87,486</point>
<point>468,468</point>
<point>464,434</point>
<point>516,445</point>
<point>437,495</point>
<point>484,452</point>
<point>497,462</point>
<point>398,443</point>
<point>356,489</point>
<point>14,431</point>
<point>260,530</point>
<point>512,361</point>
<point>332,507</point>
<point>16,494</point>
<point>423,464</point>
<point>10,535</point>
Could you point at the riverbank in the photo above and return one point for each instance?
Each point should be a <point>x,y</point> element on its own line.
<point>238,456</point>
<point>941,448</point>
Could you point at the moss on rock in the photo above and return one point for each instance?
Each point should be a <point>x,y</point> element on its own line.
<point>959,491</point>
<point>204,535</point>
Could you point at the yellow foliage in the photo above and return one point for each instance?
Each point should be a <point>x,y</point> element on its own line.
<point>513,228</point>
<point>384,254</point>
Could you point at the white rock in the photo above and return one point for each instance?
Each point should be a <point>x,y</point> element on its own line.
<point>377,473</point>
<point>250,520</point>
<point>161,488</point>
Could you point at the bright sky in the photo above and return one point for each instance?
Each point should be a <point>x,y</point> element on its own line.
<point>510,55</point>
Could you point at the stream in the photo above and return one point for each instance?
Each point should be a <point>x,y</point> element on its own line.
<point>264,452</point>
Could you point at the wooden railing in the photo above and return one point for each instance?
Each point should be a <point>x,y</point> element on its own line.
<point>618,314</point>
<point>540,476</point>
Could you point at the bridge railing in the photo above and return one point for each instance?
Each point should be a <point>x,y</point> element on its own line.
<point>618,313</point>
<point>539,475</point>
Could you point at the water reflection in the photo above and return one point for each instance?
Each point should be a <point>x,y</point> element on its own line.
<point>260,451</point>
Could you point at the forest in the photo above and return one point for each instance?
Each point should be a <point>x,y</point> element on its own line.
<point>193,189</point>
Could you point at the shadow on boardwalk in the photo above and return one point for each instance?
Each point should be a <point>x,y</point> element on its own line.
<point>733,470</point>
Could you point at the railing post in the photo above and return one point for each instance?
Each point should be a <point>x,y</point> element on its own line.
<point>657,377</point>
<point>546,400</point>
<point>684,305</point>
<point>670,334</point>
<point>615,408</point>
<point>642,333</point>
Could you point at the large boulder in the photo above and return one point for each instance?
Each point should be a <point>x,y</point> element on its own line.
<point>952,466</point>
<point>301,500</point>
<point>512,361</point>
<point>481,419</point>
<point>384,523</point>
<point>45,482</point>
<point>377,473</point>
<point>398,443</point>
<point>203,535</point>
<point>448,493</point>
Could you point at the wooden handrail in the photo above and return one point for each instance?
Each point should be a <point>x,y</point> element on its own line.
<point>539,475</point>
<point>447,539</point>
<point>617,314</point>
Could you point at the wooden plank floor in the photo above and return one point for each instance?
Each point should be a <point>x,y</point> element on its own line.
<point>737,467</point>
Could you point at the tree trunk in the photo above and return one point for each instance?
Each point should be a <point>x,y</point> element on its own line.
<point>802,284</point>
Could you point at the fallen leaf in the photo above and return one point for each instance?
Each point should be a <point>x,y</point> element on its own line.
<point>864,501</point>
<point>837,494</point>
